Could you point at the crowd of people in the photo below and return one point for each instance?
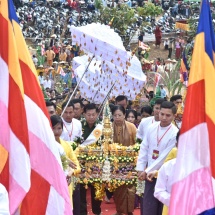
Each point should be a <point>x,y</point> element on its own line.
<point>154,127</point>
<point>153,124</point>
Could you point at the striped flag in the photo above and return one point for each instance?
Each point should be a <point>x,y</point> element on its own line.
<point>192,189</point>
<point>157,79</point>
<point>184,69</point>
<point>30,167</point>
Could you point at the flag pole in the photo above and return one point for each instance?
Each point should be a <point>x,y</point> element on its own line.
<point>95,95</point>
<point>77,86</point>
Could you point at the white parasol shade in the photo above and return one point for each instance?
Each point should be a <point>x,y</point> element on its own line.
<point>100,77</point>
<point>101,41</point>
<point>111,64</point>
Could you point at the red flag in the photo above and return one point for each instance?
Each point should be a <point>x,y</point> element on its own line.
<point>31,171</point>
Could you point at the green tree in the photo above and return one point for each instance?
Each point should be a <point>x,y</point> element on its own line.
<point>123,17</point>
<point>149,9</point>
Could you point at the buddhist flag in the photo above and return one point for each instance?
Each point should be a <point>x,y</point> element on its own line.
<point>31,168</point>
<point>184,69</point>
<point>192,190</point>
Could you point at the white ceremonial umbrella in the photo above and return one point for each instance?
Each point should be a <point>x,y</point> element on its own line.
<point>111,64</point>
<point>100,77</point>
<point>101,41</point>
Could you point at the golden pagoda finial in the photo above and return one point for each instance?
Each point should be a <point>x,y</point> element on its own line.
<point>107,128</point>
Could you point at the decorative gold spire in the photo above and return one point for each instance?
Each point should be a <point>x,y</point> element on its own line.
<point>107,128</point>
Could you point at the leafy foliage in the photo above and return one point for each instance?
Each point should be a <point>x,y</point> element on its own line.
<point>124,17</point>
<point>171,80</point>
<point>98,4</point>
<point>193,27</point>
<point>149,10</point>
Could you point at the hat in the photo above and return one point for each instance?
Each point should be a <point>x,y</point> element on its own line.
<point>168,60</point>
<point>40,66</point>
<point>50,68</point>
<point>55,62</point>
<point>174,61</point>
<point>62,62</point>
<point>69,47</point>
<point>53,35</point>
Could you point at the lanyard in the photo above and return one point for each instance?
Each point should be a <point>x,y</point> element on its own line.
<point>159,140</point>
<point>70,133</point>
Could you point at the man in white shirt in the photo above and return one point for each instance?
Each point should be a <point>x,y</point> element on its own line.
<point>158,141</point>
<point>35,60</point>
<point>47,83</point>
<point>146,122</point>
<point>72,127</point>
<point>40,77</point>
<point>144,125</point>
<point>164,182</point>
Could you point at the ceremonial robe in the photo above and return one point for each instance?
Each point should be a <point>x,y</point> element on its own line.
<point>124,196</point>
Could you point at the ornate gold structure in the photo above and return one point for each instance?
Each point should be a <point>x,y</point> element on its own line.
<point>110,165</point>
<point>107,130</point>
